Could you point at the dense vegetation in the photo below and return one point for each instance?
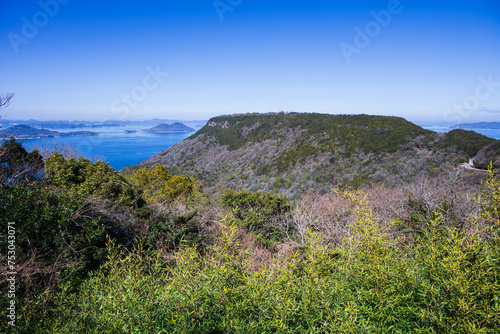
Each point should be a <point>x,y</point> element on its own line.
<point>295,153</point>
<point>148,251</point>
<point>469,141</point>
<point>371,133</point>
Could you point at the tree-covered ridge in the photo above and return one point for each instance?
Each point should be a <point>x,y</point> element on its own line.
<point>468,141</point>
<point>371,134</point>
<point>296,152</point>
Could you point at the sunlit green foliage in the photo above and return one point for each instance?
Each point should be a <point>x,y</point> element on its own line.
<point>61,226</point>
<point>158,186</point>
<point>490,202</point>
<point>446,282</point>
<point>89,178</point>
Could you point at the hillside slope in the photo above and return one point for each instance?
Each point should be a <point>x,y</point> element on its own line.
<point>488,155</point>
<point>295,152</point>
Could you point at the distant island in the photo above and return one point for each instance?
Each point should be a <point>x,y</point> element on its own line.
<point>62,124</point>
<point>28,132</point>
<point>476,126</point>
<point>65,124</point>
<point>169,128</point>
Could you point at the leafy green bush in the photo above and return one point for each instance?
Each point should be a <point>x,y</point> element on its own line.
<point>166,231</point>
<point>89,178</point>
<point>57,237</point>
<point>260,212</point>
<point>158,186</point>
<point>445,282</point>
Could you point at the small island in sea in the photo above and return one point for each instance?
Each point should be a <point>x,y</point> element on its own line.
<point>28,132</point>
<point>170,128</point>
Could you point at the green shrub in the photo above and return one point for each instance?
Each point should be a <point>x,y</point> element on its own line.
<point>58,237</point>
<point>158,186</point>
<point>166,231</point>
<point>260,212</point>
<point>89,178</point>
<point>446,282</point>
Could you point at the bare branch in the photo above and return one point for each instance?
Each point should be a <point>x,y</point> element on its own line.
<point>5,99</point>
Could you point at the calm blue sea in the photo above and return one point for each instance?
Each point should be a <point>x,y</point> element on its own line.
<point>113,145</point>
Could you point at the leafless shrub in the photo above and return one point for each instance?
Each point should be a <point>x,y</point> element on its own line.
<point>450,196</point>
<point>326,213</point>
<point>402,209</point>
<point>5,99</point>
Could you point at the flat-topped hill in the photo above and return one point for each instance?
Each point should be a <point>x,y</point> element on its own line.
<point>298,152</point>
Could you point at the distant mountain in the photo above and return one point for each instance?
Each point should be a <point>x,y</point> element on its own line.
<point>61,124</point>
<point>295,152</point>
<point>89,124</point>
<point>480,125</point>
<point>170,128</point>
<point>28,132</point>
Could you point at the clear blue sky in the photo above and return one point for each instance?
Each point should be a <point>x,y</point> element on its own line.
<point>92,59</point>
